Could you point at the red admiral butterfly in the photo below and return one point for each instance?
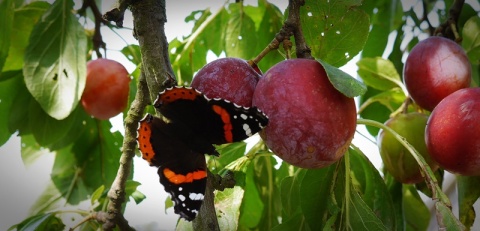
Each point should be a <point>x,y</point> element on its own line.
<point>177,146</point>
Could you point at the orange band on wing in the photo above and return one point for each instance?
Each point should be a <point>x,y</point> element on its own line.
<point>227,127</point>
<point>145,146</point>
<point>171,95</point>
<point>180,179</point>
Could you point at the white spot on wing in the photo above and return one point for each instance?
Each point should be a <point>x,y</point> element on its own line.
<point>195,196</point>
<point>247,129</point>
<point>181,197</point>
<point>244,117</point>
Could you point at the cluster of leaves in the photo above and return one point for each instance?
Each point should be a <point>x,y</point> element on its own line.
<point>45,74</point>
<point>44,50</point>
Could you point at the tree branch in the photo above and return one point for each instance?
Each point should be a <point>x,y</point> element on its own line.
<point>291,26</point>
<point>117,14</point>
<point>207,217</point>
<point>293,22</point>
<point>97,35</point>
<point>448,29</point>
<point>149,17</point>
<point>117,190</point>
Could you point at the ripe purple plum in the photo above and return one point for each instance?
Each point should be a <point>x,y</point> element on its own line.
<point>453,132</point>
<point>232,79</point>
<point>311,124</point>
<point>435,68</point>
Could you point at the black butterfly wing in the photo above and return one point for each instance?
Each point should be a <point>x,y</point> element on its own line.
<point>182,171</point>
<point>238,122</point>
<point>185,181</point>
<point>218,120</point>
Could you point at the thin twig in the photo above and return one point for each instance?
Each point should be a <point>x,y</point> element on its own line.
<point>118,14</point>
<point>448,29</point>
<point>117,191</point>
<point>291,27</point>
<point>293,22</point>
<point>98,42</point>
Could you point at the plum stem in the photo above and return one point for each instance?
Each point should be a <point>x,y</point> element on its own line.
<point>291,27</point>
<point>293,22</point>
<point>448,29</point>
<point>427,173</point>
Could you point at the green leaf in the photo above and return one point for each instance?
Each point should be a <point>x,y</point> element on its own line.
<point>343,82</point>
<point>468,194</point>
<point>268,21</point>
<point>50,200</point>
<point>446,219</point>
<point>132,191</point>
<point>79,116</point>
<point>55,60</point>
<point>132,53</point>
<point>335,30</point>
<point>358,216</point>
<point>379,73</point>
<point>227,203</point>
<point>252,207</point>
<point>240,33</point>
<point>190,55</point>
<point>471,39</point>
<point>296,222</point>
<point>25,18</point>
<point>392,99</point>
<point>387,17</point>
<point>31,150</point>
<point>348,195</point>
<point>46,129</point>
<point>371,187</point>
<point>68,177</point>
<point>40,222</point>
<point>97,194</point>
<point>19,111</point>
<point>8,94</point>
<point>97,151</point>
<point>315,194</point>
<point>374,111</point>
<point>395,190</point>
<point>6,23</point>
<point>228,154</point>
<point>417,215</point>
<point>290,194</point>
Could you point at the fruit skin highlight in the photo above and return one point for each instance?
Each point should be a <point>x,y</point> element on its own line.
<point>232,79</point>
<point>453,132</point>
<point>106,89</point>
<point>397,160</point>
<point>311,124</point>
<point>435,68</point>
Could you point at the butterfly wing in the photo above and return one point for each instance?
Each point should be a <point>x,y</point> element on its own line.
<point>182,171</point>
<point>238,122</point>
<point>219,121</point>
